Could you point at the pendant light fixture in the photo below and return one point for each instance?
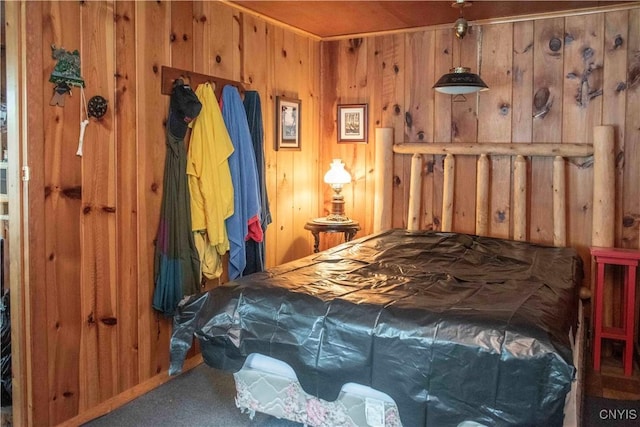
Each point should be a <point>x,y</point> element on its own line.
<point>460,80</point>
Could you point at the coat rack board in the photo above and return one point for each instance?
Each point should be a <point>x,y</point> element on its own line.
<point>170,74</point>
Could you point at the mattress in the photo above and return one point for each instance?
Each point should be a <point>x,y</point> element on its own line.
<point>452,327</point>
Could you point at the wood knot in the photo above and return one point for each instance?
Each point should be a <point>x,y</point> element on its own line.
<point>587,53</point>
<point>154,187</point>
<point>73,192</point>
<point>428,166</point>
<point>408,119</point>
<point>541,102</point>
<point>628,221</point>
<point>617,42</point>
<point>354,44</point>
<point>109,321</point>
<point>555,44</point>
<point>218,59</point>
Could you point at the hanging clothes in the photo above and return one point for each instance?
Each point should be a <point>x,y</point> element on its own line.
<point>256,250</point>
<point>212,194</point>
<point>245,222</point>
<point>176,261</point>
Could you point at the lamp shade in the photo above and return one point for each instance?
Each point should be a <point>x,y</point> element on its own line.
<point>460,80</point>
<point>337,175</point>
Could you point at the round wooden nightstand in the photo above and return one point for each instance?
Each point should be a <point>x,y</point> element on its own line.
<point>322,225</point>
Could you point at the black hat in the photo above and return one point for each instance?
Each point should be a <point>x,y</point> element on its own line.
<point>183,108</point>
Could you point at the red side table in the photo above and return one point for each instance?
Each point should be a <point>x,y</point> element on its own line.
<point>628,258</point>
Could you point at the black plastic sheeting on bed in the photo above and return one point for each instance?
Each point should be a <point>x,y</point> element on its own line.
<point>453,327</point>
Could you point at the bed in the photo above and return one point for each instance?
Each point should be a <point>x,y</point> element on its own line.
<point>406,326</point>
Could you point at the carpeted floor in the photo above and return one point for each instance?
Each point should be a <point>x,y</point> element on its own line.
<point>201,397</point>
<point>204,397</point>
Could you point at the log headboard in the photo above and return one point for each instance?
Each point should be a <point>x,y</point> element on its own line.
<point>602,151</point>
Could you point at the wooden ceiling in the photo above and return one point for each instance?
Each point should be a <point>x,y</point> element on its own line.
<point>339,19</point>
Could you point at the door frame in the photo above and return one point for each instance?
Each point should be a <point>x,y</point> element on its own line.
<point>17,188</point>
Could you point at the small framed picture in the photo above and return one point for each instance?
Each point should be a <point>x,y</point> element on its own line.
<point>287,123</point>
<point>352,123</point>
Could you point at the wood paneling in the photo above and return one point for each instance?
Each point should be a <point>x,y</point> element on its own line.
<point>39,257</point>
<point>93,219</point>
<point>547,119</point>
<point>62,193</point>
<point>123,109</point>
<point>391,54</point>
<point>419,119</point>
<point>630,146</point>
<point>495,120</point>
<point>98,364</point>
<point>464,128</point>
<point>152,24</point>
<point>442,62</point>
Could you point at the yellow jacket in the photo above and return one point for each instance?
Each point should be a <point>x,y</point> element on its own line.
<point>209,176</point>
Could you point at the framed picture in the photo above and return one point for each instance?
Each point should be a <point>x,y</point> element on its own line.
<point>352,123</point>
<point>287,123</point>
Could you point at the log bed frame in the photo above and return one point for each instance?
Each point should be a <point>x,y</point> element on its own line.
<point>602,234</point>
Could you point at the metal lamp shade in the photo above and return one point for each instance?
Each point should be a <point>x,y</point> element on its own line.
<point>460,80</point>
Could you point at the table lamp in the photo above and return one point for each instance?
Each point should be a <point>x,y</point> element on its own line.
<point>336,177</point>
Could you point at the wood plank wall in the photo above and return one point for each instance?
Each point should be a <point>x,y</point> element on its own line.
<point>551,80</point>
<point>92,220</point>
